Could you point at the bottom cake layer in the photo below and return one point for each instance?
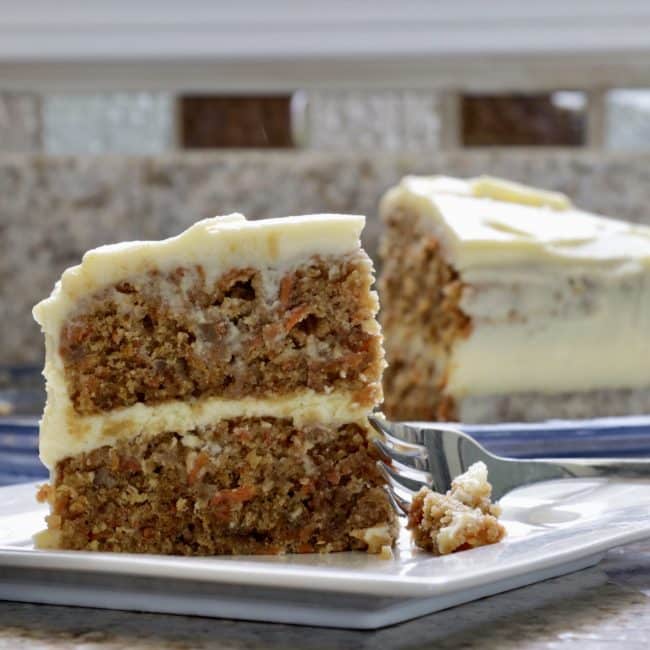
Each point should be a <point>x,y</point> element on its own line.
<point>256,485</point>
<point>421,399</point>
<point>536,407</point>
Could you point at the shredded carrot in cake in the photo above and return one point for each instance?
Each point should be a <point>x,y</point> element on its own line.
<point>295,316</point>
<point>199,463</point>
<point>286,287</point>
<point>236,495</point>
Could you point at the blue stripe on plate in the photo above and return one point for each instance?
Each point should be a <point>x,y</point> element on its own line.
<point>624,437</point>
<point>19,462</point>
<point>13,479</point>
<point>620,436</point>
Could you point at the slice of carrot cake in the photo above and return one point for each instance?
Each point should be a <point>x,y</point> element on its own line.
<point>504,302</point>
<point>208,394</point>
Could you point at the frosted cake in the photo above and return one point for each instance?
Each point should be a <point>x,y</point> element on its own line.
<point>208,394</point>
<point>503,302</point>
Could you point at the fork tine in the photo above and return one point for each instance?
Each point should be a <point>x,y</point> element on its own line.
<point>405,471</point>
<point>398,480</point>
<point>400,496</point>
<point>399,503</point>
<point>402,446</point>
<point>417,461</point>
<point>400,431</point>
<point>449,451</point>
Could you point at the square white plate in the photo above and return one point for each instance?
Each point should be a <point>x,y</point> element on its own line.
<point>553,528</point>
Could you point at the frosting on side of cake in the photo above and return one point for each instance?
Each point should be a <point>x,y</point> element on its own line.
<point>547,333</point>
<point>559,299</point>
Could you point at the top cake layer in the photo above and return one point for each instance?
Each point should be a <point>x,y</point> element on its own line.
<point>486,222</point>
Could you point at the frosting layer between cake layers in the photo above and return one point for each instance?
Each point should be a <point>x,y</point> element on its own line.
<point>219,244</point>
<point>559,298</point>
<point>64,433</point>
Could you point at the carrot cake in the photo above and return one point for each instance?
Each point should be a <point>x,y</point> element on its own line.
<point>208,393</point>
<point>501,302</point>
<point>463,518</point>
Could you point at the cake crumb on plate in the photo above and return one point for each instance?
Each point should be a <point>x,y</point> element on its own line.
<point>463,518</point>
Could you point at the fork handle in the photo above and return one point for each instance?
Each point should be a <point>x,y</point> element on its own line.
<point>601,467</point>
<point>514,472</point>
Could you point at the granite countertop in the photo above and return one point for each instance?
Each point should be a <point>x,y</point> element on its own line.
<point>607,606</point>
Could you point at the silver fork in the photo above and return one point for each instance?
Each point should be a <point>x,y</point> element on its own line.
<point>421,453</point>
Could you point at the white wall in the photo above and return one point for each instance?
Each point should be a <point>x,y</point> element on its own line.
<point>285,44</point>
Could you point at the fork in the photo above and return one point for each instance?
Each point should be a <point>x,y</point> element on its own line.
<point>423,454</point>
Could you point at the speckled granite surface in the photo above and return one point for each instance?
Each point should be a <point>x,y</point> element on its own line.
<point>21,123</point>
<point>53,209</point>
<point>607,607</point>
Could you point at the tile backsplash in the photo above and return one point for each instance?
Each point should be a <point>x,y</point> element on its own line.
<point>329,119</point>
<point>117,122</point>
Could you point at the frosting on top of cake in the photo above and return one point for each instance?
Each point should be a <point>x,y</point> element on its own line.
<point>487,221</point>
<point>218,244</point>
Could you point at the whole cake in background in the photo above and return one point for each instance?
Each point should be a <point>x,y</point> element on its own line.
<point>208,393</point>
<point>501,302</point>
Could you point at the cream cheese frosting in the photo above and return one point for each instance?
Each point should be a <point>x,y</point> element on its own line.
<point>487,221</point>
<point>65,433</point>
<point>218,244</point>
<point>559,298</point>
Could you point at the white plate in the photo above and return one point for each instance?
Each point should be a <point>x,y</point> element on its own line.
<point>553,528</point>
